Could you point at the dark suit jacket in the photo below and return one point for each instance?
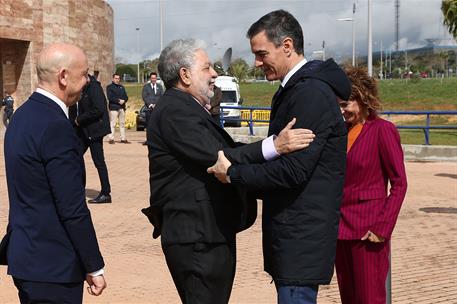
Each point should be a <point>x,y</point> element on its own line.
<point>115,92</point>
<point>183,141</point>
<point>52,235</point>
<point>148,95</point>
<point>375,159</point>
<point>93,117</point>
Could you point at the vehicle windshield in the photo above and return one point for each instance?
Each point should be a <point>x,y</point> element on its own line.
<point>228,97</point>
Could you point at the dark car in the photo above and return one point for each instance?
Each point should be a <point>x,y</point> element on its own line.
<point>141,119</point>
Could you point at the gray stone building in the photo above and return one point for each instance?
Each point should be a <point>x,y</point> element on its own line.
<point>26,26</point>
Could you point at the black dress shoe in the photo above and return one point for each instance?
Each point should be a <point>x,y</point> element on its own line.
<point>101,199</point>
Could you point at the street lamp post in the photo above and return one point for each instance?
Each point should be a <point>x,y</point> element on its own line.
<point>323,50</point>
<point>353,32</point>
<point>161,24</point>
<point>138,51</point>
<point>370,41</point>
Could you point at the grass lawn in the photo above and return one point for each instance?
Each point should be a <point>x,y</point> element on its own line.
<point>437,137</point>
<point>396,95</point>
<point>423,94</point>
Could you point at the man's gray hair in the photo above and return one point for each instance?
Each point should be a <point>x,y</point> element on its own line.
<point>176,55</point>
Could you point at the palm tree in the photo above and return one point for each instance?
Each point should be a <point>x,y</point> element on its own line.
<point>449,10</point>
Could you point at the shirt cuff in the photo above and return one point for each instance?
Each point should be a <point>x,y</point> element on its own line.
<point>268,148</point>
<point>97,273</point>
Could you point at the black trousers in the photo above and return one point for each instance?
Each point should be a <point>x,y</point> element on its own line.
<point>203,273</point>
<point>42,292</point>
<point>148,116</point>
<point>96,151</point>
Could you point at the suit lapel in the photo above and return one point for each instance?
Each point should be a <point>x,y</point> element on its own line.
<point>195,107</point>
<point>276,101</point>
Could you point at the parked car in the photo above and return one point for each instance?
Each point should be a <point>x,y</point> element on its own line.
<point>230,97</point>
<point>141,119</point>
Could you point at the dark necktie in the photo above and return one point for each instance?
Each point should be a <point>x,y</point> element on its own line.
<point>275,97</point>
<point>278,92</point>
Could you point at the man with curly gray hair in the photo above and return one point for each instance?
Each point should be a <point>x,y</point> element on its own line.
<point>197,216</point>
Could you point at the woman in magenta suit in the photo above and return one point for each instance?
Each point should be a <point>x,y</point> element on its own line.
<point>369,210</point>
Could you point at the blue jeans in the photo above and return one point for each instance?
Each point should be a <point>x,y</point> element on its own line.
<point>297,294</point>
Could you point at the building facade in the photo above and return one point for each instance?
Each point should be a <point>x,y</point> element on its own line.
<point>26,26</point>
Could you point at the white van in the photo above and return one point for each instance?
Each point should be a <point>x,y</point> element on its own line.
<point>230,97</point>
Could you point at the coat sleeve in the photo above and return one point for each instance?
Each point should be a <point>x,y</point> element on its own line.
<point>245,153</point>
<point>312,110</point>
<point>97,105</point>
<point>124,94</point>
<point>188,135</point>
<point>393,166</point>
<point>64,169</point>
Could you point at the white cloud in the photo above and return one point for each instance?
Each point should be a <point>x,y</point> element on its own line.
<point>223,24</point>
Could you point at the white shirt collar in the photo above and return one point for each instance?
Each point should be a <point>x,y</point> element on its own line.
<point>59,102</point>
<point>292,72</point>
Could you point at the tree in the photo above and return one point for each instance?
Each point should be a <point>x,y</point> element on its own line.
<point>239,69</point>
<point>449,10</point>
<point>256,73</point>
<point>129,69</point>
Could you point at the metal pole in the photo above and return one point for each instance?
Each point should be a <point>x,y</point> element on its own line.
<point>406,60</point>
<point>380,76</point>
<point>353,34</point>
<point>138,50</point>
<point>370,41</point>
<point>390,62</point>
<point>161,25</point>
<point>251,124</point>
<point>323,50</point>
<point>427,131</point>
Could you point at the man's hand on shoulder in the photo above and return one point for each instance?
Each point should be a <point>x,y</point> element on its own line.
<point>290,140</point>
<point>219,169</point>
<point>96,284</point>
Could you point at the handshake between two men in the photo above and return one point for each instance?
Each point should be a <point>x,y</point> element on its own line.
<point>288,141</point>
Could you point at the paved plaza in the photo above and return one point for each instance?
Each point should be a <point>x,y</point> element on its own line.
<point>424,245</point>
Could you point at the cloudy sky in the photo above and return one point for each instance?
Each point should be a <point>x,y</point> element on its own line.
<point>223,24</point>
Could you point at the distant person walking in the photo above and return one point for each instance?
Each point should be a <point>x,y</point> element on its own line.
<point>368,211</point>
<point>91,118</point>
<point>117,97</point>
<point>152,91</point>
<point>8,103</point>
